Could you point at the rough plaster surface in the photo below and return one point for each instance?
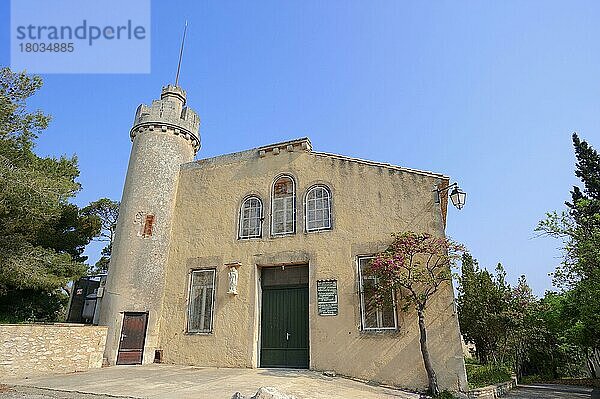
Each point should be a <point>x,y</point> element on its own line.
<point>138,263</point>
<point>369,201</point>
<point>36,349</point>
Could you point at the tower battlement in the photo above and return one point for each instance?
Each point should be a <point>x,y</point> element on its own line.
<point>169,114</point>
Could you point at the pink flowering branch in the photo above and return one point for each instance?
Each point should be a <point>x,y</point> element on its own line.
<point>416,265</point>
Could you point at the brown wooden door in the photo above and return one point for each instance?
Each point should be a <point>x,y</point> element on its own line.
<point>133,335</point>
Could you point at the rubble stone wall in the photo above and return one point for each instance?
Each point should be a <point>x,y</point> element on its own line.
<point>34,349</point>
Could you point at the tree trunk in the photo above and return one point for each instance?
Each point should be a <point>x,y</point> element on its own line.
<point>596,362</point>
<point>431,377</point>
<point>592,362</point>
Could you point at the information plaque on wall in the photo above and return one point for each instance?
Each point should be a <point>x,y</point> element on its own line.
<point>327,297</point>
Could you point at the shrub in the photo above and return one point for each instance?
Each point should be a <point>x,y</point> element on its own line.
<point>481,376</point>
<point>445,395</point>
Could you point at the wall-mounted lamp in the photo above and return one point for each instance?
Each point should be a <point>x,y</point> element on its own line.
<point>457,196</point>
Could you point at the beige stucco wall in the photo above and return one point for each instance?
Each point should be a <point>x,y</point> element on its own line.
<point>369,202</point>
<point>34,349</point>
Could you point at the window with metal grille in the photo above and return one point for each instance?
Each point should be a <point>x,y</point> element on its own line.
<point>251,216</point>
<point>283,210</point>
<point>318,209</point>
<point>374,315</point>
<point>201,301</point>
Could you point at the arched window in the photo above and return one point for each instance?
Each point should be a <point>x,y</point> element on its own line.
<point>318,209</point>
<point>251,216</point>
<point>283,206</point>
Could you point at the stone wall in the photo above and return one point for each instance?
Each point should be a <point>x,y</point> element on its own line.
<point>33,349</point>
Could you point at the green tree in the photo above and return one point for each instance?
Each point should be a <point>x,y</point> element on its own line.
<point>555,350</point>
<point>579,229</point>
<point>521,329</point>
<point>499,319</point>
<point>16,122</point>
<point>41,234</point>
<point>482,308</point>
<point>416,265</point>
<point>107,211</point>
<point>587,168</point>
<point>512,328</point>
<point>70,232</point>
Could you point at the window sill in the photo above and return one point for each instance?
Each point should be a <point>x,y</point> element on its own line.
<point>197,333</point>
<point>318,231</point>
<point>282,235</point>
<point>380,332</point>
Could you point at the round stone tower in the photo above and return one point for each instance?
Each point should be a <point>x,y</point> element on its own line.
<point>164,135</point>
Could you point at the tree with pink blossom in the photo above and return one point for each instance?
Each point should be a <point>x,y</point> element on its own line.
<point>415,266</point>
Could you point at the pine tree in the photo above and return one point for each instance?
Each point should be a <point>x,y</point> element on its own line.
<point>579,228</point>
<point>42,236</point>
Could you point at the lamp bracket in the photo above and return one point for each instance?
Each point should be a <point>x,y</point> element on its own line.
<point>448,187</point>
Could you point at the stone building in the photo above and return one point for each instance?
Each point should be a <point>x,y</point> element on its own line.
<point>255,259</point>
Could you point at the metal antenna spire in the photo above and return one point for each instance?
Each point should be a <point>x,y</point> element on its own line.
<point>180,54</point>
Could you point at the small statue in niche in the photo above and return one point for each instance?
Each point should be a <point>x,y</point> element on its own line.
<point>233,280</point>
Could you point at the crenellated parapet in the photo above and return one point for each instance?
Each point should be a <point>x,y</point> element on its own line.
<point>169,115</point>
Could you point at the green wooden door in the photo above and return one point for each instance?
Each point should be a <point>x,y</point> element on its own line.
<point>284,327</point>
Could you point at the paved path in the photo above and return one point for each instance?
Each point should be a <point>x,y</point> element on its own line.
<point>175,382</point>
<point>36,393</point>
<point>551,391</point>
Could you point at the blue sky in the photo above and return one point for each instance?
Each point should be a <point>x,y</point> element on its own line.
<point>486,92</point>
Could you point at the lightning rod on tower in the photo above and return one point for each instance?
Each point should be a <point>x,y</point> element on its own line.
<point>181,54</point>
